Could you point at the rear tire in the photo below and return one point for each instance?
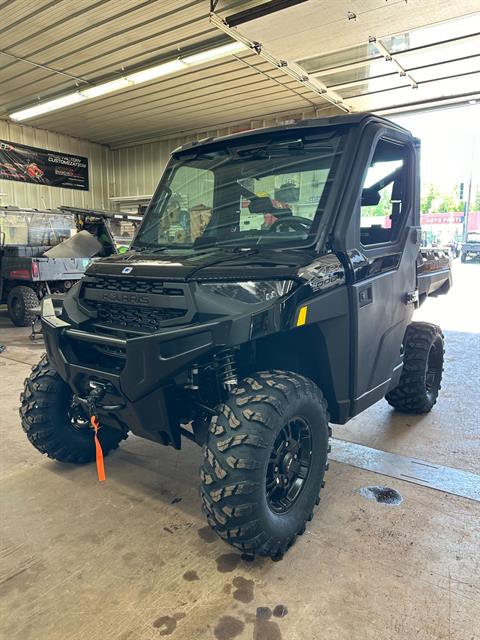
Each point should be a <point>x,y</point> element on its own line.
<point>419,385</point>
<point>256,494</point>
<point>44,412</point>
<point>21,301</point>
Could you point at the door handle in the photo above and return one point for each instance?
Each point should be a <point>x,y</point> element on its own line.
<point>412,297</point>
<point>365,296</point>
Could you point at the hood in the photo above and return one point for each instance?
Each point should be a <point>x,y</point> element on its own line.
<point>214,263</point>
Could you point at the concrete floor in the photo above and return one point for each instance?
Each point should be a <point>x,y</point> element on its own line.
<point>132,559</point>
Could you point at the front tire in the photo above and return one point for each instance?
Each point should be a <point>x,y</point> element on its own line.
<point>463,257</point>
<point>21,303</point>
<point>264,462</point>
<point>419,385</point>
<point>47,419</point>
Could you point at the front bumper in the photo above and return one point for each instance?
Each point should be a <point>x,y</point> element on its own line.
<point>150,364</point>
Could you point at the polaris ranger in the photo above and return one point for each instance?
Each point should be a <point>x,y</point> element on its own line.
<point>269,291</point>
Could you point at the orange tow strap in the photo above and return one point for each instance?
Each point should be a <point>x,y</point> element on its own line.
<point>98,450</point>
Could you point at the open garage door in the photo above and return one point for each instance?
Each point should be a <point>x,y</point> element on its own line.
<point>393,57</point>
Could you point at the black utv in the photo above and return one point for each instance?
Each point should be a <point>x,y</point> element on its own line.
<point>269,291</point>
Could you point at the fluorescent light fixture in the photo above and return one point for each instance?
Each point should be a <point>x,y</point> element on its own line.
<point>214,54</point>
<point>45,107</point>
<point>156,72</point>
<point>106,87</point>
<point>167,68</point>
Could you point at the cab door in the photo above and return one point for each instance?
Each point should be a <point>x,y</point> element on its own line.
<point>383,267</point>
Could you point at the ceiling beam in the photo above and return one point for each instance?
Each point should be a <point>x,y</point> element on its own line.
<point>258,12</point>
<point>390,57</point>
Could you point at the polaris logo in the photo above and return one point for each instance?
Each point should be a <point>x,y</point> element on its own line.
<point>126,298</point>
<point>127,269</point>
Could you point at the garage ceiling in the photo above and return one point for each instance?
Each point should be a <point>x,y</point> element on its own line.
<point>63,46</point>
<point>434,48</point>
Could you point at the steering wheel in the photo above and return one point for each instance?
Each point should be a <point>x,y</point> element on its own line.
<point>297,223</point>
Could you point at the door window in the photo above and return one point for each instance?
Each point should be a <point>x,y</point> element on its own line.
<point>384,194</point>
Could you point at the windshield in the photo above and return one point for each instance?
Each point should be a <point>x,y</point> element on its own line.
<point>122,230</point>
<point>271,193</point>
<point>474,237</point>
<point>35,228</point>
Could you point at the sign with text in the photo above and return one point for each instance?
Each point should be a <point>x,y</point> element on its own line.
<point>40,166</point>
<point>442,218</point>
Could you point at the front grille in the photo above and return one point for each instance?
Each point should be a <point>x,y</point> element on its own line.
<point>144,319</point>
<point>134,285</point>
<point>136,305</point>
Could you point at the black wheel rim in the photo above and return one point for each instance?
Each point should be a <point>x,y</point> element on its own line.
<point>289,465</point>
<point>434,368</point>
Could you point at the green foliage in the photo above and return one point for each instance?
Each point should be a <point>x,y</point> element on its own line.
<point>383,208</point>
<point>428,199</point>
<point>449,203</point>
<point>437,201</point>
<point>476,201</point>
<point>434,200</point>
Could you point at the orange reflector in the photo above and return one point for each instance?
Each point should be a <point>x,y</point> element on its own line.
<point>302,316</point>
<point>98,450</point>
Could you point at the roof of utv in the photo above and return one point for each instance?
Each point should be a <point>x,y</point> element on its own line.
<point>312,123</point>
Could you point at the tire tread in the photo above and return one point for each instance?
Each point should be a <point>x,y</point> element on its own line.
<point>238,437</point>
<point>38,401</point>
<point>410,395</point>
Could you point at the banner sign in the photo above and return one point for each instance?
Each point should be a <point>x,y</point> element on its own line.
<point>40,166</point>
<point>442,218</point>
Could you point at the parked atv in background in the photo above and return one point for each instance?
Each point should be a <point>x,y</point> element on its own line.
<point>471,247</point>
<point>260,301</point>
<point>44,252</point>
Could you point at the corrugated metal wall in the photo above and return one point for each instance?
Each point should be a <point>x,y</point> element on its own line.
<point>38,196</point>
<point>135,171</point>
<point>120,173</point>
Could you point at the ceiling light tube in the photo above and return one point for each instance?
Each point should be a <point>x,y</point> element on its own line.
<point>146,75</point>
<point>214,54</point>
<point>46,107</point>
<point>107,87</point>
<point>156,72</point>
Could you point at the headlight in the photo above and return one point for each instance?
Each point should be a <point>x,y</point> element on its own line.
<point>251,291</point>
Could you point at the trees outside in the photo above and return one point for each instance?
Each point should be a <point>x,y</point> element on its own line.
<point>435,200</point>
<point>430,195</point>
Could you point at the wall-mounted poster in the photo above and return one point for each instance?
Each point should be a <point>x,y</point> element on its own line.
<point>40,166</point>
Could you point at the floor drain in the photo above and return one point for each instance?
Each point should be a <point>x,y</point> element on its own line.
<point>383,495</point>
